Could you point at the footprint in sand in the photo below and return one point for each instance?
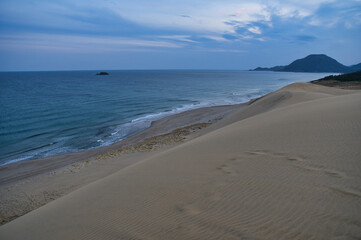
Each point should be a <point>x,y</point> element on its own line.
<point>295,159</point>
<point>346,192</point>
<point>233,159</point>
<point>321,170</point>
<point>226,169</point>
<point>300,161</point>
<point>191,208</point>
<point>283,156</point>
<point>333,173</point>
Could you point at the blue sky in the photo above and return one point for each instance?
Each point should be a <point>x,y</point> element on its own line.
<point>170,34</point>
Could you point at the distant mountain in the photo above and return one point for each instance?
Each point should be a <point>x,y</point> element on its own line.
<point>276,68</point>
<point>314,63</point>
<point>356,67</point>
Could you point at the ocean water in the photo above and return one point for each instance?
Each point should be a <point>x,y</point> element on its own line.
<point>48,113</point>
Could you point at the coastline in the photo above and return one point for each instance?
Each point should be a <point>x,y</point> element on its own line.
<point>162,126</point>
<point>193,155</point>
<point>21,183</point>
<point>49,127</point>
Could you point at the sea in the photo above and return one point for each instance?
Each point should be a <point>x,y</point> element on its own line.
<point>48,113</point>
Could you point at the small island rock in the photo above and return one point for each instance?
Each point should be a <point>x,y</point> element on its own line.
<point>102,73</point>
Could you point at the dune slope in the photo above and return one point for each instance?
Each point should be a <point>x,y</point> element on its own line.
<point>289,168</point>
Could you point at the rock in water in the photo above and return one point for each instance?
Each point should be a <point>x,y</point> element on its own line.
<point>102,73</point>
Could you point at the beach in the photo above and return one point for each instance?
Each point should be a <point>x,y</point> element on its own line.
<point>283,166</point>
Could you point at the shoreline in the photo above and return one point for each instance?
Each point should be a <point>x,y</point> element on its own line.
<point>285,144</point>
<point>159,127</point>
<point>22,187</point>
<point>138,133</point>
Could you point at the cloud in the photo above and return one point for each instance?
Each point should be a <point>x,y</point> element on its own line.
<point>230,36</point>
<point>215,38</point>
<point>213,16</point>
<point>182,38</point>
<point>80,43</point>
<point>170,24</point>
<point>305,38</point>
<point>169,27</point>
<point>202,17</point>
<point>344,13</point>
<point>44,14</point>
<point>255,30</point>
<point>221,50</point>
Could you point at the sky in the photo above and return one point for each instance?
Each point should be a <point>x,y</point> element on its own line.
<point>41,35</point>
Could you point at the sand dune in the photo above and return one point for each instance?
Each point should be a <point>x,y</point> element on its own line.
<point>285,167</point>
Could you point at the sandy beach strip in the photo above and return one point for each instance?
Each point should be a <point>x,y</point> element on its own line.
<point>286,166</point>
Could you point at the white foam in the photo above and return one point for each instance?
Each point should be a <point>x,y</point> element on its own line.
<point>52,149</point>
<point>16,160</point>
<point>138,124</point>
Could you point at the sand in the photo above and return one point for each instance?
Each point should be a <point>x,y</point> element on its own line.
<point>286,166</point>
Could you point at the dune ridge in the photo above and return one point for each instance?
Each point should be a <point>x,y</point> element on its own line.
<point>285,167</point>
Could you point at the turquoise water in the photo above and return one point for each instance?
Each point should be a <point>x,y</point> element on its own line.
<point>48,113</point>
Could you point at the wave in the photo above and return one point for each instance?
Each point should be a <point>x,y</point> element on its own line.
<point>138,124</point>
<point>141,123</point>
<point>53,148</point>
